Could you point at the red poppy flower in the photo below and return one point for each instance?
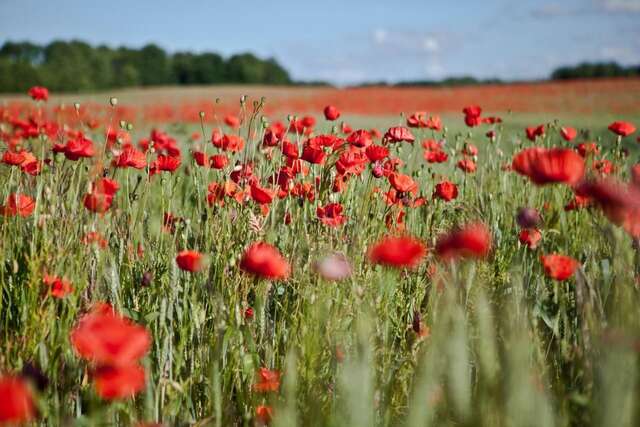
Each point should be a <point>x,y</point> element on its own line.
<point>58,287</point>
<point>290,150</point>
<point>400,252</point>
<point>530,237</point>
<point>568,133</point>
<point>376,153</point>
<point>165,163</point>
<point>39,93</point>
<point>79,148</point>
<point>313,155</point>
<point>472,115</point>
<point>97,202</point>
<point>94,237</point>
<point>435,156</point>
<point>267,381</point>
<point>263,260</point>
<point>467,165</point>
<point>360,138</point>
<point>331,113</point>
<point>472,241</point>
<point>232,121</point>
<point>262,195</point>
<point>588,148</point>
<point>352,163</point>
<point>331,214</point>
<point>190,261</point>
<point>199,157</point>
<point>559,267</point>
<point>616,199</point>
<point>264,414</point>
<point>403,183</point>
<point>18,204</point>
<point>119,382</point>
<point>622,128</point>
<point>17,405</point>
<point>470,150</point>
<point>399,134</point>
<point>219,161</point>
<point>446,191</point>
<point>232,143</point>
<point>546,166</point>
<point>106,338</point>
<point>13,158</point>
<point>534,132</point>
<point>417,120</point>
<point>130,157</point>
<point>604,166</point>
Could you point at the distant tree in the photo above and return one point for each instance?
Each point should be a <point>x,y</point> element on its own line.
<point>594,70</point>
<point>76,66</point>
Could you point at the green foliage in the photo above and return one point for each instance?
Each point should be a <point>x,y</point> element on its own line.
<point>75,66</point>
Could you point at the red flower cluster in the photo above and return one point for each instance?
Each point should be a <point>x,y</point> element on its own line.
<point>114,345</point>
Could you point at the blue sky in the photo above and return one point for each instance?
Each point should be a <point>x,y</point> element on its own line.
<point>351,41</point>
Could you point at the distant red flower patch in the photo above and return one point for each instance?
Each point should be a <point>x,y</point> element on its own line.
<point>399,252</point>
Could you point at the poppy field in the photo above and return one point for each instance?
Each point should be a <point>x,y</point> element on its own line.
<point>322,260</point>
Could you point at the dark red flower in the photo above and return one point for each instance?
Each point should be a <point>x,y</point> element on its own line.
<point>360,138</point>
<point>58,287</point>
<point>622,128</point>
<point>403,183</point>
<point>530,237</point>
<point>400,252</point>
<point>79,148</point>
<point>39,93</point>
<point>376,153</point>
<point>546,166</point>
<point>262,195</point>
<point>331,113</point>
<point>264,414</point>
<point>17,404</point>
<point>467,165</point>
<point>331,214</point>
<point>399,134</point>
<point>472,241</point>
<point>559,267</point>
<point>263,260</point>
<point>18,204</point>
<point>218,161</point>
<point>191,261</point>
<point>534,132</point>
<point>568,133</point>
<point>119,382</point>
<point>313,155</point>
<point>106,338</point>
<point>446,191</point>
<point>267,381</point>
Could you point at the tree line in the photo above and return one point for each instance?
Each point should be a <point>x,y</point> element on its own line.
<point>76,66</point>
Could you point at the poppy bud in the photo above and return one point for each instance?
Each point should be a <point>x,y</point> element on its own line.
<point>528,218</point>
<point>34,373</point>
<point>415,324</point>
<point>113,101</point>
<point>378,170</point>
<point>146,279</point>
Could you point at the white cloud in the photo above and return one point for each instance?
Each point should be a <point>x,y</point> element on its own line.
<point>620,5</point>
<point>622,54</point>
<point>430,44</point>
